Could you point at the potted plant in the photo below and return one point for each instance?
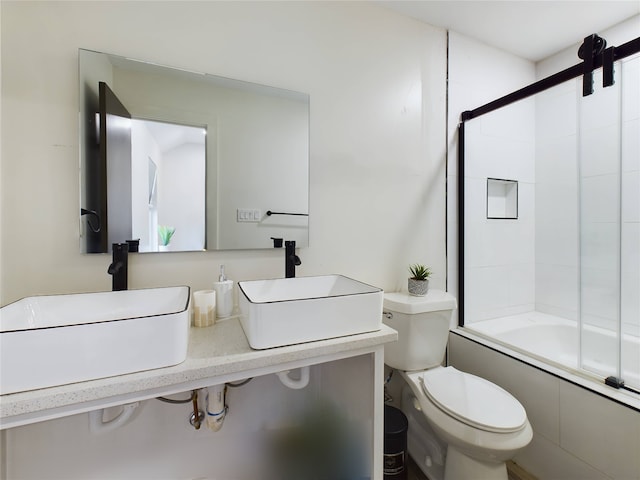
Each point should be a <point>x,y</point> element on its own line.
<point>165,234</point>
<point>419,279</point>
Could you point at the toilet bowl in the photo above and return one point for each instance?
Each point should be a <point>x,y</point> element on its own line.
<point>480,424</point>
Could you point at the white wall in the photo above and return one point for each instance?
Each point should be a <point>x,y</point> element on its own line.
<point>181,195</point>
<point>143,148</point>
<point>377,153</point>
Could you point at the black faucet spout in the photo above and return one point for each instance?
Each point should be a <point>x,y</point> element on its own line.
<point>291,260</point>
<point>119,268</point>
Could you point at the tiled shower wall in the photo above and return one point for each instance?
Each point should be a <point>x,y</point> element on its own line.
<point>500,253</point>
<point>556,233</point>
<point>576,163</point>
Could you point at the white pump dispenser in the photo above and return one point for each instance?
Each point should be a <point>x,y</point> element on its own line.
<point>224,295</point>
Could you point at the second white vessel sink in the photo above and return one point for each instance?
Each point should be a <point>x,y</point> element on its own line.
<point>288,311</point>
<point>59,339</point>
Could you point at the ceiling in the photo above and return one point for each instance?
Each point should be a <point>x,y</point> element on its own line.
<point>171,135</point>
<point>533,30</point>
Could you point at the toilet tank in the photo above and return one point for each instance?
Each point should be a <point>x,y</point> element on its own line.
<point>422,324</point>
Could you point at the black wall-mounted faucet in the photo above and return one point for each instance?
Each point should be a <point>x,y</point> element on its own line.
<point>119,266</point>
<point>291,260</point>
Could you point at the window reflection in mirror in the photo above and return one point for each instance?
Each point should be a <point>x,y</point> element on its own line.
<point>253,159</point>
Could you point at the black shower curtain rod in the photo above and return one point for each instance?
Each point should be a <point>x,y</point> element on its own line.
<point>623,51</point>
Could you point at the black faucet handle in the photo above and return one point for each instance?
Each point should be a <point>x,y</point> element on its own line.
<point>119,266</point>
<point>291,260</point>
<point>134,245</point>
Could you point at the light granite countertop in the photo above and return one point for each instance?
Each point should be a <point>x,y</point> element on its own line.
<point>219,352</point>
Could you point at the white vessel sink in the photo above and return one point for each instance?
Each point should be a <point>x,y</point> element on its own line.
<point>287,311</point>
<point>59,339</point>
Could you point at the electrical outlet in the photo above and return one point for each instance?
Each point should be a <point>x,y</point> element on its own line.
<point>253,215</point>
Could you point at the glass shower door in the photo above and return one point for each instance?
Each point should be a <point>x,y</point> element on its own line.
<point>608,198</point>
<point>629,74</point>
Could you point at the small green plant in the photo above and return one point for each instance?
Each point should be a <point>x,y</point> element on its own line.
<point>419,271</point>
<point>165,233</point>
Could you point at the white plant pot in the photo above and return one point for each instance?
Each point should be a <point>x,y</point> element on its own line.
<point>419,288</point>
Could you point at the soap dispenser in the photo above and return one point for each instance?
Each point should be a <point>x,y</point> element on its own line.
<point>224,295</point>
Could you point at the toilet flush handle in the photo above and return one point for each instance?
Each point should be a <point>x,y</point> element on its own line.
<point>416,404</point>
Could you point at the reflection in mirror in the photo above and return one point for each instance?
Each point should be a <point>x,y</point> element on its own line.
<point>168,160</point>
<point>209,157</point>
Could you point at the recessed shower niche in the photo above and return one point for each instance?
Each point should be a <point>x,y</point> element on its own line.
<point>502,198</point>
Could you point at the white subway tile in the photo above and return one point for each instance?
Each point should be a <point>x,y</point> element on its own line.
<point>630,145</point>
<point>600,198</point>
<point>599,151</point>
<point>631,196</point>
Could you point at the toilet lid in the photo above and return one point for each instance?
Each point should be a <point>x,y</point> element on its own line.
<point>473,400</point>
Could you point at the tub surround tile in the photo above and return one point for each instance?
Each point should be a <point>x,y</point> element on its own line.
<point>630,279</point>
<point>555,113</point>
<point>599,198</point>
<point>630,146</point>
<point>631,196</point>
<point>556,287</point>
<point>555,311</point>
<point>556,203</point>
<point>630,239</point>
<point>609,440</point>
<point>557,162</point>
<point>522,284</point>
<point>515,122</point>
<point>597,145</point>
<point>600,297</point>
<point>557,243</point>
<point>630,93</point>
<point>600,244</point>
<point>557,465</point>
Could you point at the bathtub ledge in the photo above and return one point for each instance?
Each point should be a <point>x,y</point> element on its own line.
<point>623,397</point>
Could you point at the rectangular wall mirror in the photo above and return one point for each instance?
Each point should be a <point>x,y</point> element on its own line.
<point>222,163</point>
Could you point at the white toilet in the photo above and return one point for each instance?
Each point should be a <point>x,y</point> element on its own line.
<point>460,426</point>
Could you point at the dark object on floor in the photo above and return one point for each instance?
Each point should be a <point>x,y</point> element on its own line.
<point>395,444</point>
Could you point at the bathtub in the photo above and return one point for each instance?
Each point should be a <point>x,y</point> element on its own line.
<point>557,340</point>
<point>582,427</point>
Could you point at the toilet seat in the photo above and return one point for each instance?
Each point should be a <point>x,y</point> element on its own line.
<point>473,400</point>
